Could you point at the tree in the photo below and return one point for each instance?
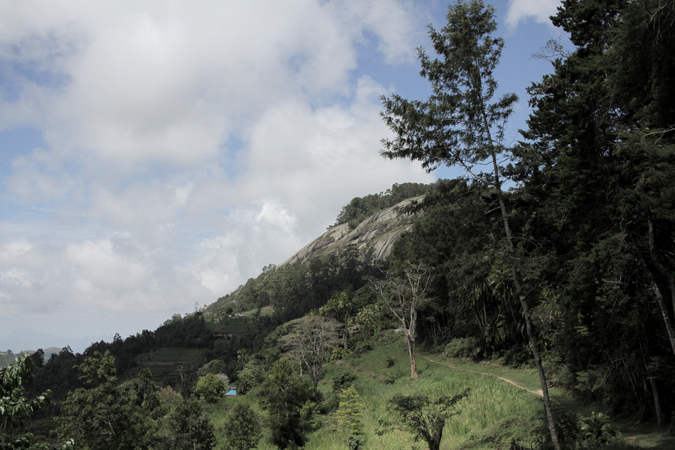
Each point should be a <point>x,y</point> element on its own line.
<point>188,428</point>
<point>38,358</point>
<point>242,428</point>
<point>403,295</point>
<point>16,409</point>
<point>598,165</point>
<point>101,415</point>
<point>287,397</point>
<point>339,307</point>
<point>349,415</point>
<point>460,124</point>
<point>312,340</point>
<point>210,388</point>
<point>425,418</point>
<point>251,375</point>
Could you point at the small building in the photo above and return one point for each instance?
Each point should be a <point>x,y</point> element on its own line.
<point>232,392</point>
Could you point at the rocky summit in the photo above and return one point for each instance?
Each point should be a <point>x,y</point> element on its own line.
<point>374,237</point>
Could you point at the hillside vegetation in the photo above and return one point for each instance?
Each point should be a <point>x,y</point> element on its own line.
<point>464,313</point>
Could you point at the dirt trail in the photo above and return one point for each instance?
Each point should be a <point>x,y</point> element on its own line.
<point>537,392</point>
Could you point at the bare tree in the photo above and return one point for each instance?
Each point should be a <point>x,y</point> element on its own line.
<point>403,295</point>
<point>310,343</point>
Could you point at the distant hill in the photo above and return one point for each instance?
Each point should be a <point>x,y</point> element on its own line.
<point>7,358</point>
<point>26,339</point>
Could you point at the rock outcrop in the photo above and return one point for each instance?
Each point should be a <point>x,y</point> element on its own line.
<point>374,237</point>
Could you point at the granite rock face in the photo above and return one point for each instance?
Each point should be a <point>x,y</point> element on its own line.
<point>374,236</point>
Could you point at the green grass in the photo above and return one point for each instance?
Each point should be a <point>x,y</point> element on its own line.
<point>494,412</point>
<point>491,402</point>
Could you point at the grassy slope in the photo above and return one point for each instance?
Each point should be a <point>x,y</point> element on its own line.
<point>492,407</point>
<point>494,412</point>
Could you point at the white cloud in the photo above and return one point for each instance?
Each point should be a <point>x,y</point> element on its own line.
<point>395,23</point>
<point>187,144</point>
<point>539,10</point>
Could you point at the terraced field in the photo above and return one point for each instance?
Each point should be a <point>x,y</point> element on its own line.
<point>168,363</point>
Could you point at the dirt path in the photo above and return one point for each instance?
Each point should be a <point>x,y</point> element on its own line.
<point>538,392</point>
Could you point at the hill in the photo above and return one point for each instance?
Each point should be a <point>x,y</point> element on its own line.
<point>344,247</point>
<point>374,237</point>
<point>468,314</point>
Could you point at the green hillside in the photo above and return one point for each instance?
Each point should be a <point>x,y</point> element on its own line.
<point>527,305</point>
<point>502,405</point>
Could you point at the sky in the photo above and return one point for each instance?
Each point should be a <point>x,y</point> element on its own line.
<point>156,155</point>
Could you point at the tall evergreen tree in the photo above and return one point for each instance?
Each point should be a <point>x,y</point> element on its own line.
<point>462,124</point>
<point>599,166</point>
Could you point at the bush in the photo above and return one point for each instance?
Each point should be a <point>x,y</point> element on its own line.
<point>242,428</point>
<point>598,429</point>
<point>389,362</point>
<point>339,353</point>
<point>210,388</point>
<point>344,380</point>
<point>468,347</point>
<point>567,426</point>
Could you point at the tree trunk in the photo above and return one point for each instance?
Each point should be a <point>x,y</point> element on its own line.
<point>657,402</point>
<point>411,339</point>
<point>666,316</point>
<point>670,330</point>
<point>411,350</point>
<point>525,309</point>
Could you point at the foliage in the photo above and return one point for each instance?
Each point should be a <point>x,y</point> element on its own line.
<point>349,415</point>
<point>597,173</point>
<point>467,347</point>
<point>288,399</point>
<point>188,428</point>
<point>216,366</point>
<point>242,428</point>
<point>403,293</point>
<point>343,380</point>
<point>424,417</point>
<point>102,416</point>
<point>597,429</point>
<point>462,124</point>
<point>340,307</point>
<point>210,388</point>
<point>311,342</point>
<point>16,409</point>
<point>360,208</point>
<point>169,399</point>
<point>251,375</point>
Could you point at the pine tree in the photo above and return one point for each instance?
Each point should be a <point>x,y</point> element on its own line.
<point>349,415</point>
<point>462,124</point>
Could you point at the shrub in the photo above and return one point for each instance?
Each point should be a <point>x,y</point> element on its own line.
<point>343,380</point>
<point>339,353</point>
<point>468,347</point>
<point>242,428</point>
<point>210,388</point>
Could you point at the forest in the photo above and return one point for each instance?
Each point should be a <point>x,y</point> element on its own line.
<point>555,253</point>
